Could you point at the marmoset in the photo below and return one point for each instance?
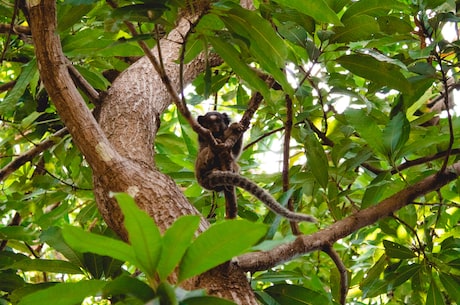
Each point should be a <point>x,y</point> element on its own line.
<point>216,168</point>
<point>210,158</point>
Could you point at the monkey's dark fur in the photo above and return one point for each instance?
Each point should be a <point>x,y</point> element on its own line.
<point>216,168</point>
<point>211,158</point>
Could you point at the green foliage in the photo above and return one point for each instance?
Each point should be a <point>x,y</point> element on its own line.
<point>155,255</point>
<point>362,77</point>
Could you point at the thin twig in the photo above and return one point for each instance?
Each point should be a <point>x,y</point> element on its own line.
<point>286,157</point>
<point>329,250</point>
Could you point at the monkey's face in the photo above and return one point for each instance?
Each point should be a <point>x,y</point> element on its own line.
<point>216,122</point>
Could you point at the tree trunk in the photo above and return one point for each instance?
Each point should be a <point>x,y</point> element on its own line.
<point>119,148</point>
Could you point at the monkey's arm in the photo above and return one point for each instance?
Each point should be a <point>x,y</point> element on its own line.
<point>227,178</point>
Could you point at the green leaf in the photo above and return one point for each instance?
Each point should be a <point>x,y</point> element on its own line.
<point>396,250</point>
<point>232,58</point>
<point>296,295</point>
<point>144,235</point>
<point>28,120</point>
<point>454,263</point>
<point>10,281</point>
<point>265,45</point>
<point>376,189</point>
<point>367,128</point>
<point>147,12</point>
<point>404,273</point>
<point>88,242</point>
<point>166,294</point>
<point>95,80</point>
<point>373,275</point>
<point>29,72</point>
<point>64,293</point>
<point>18,233</point>
<point>86,42</point>
<point>318,9</point>
<point>396,134</point>
<point>176,240</point>
<point>70,13</point>
<point>356,29</point>
<point>218,244</point>
<point>46,265</point>
<point>373,8</point>
<point>260,32</point>
<point>380,72</point>
<point>452,285</point>
<point>434,295</point>
<point>53,237</point>
<point>317,159</point>
<point>127,285</point>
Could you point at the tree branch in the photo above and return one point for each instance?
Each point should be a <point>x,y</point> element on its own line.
<point>59,84</point>
<point>29,155</point>
<point>257,261</point>
<point>329,250</point>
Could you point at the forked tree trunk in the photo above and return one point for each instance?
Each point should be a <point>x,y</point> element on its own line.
<point>119,148</point>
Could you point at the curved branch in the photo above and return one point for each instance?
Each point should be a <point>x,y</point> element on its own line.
<point>17,29</point>
<point>257,261</point>
<point>71,107</point>
<point>329,250</point>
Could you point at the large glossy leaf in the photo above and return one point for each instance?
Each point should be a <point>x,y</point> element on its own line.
<point>64,293</point>
<point>218,244</point>
<point>71,13</point>
<point>317,159</point>
<point>28,73</point>
<point>367,128</point>
<point>318,9</point>
<point>89,242</point>
<point>373,274</point>
<point>356,29</point>
<point>127,285</point>
<point>232,58</point>
<point>265,45</point>
<point>53,237</point>
<point>373,8</point>
<point>404,273</point>
<point>18,233</point>
<point>434,295</point>
<point>144,236</point>
<point>46,265</point>
<point>176,240</point>
<point>376,189</point>
<point>380,72</point>
<point>396,250</point>
<point>396,134</point>
<point>452,285</point>
<point>10,281</point>
<point>297,295</point>
<point>146,12</point>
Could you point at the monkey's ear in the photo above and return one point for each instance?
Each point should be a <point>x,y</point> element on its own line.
<point>226,118</point>
<point>200,119</point>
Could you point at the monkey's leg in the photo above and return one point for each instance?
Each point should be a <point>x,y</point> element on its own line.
<point>231,204</point>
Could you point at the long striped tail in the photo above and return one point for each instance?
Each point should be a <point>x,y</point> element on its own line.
<point>223,178</point>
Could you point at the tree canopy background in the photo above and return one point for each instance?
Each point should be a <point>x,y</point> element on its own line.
<point>357,126</point>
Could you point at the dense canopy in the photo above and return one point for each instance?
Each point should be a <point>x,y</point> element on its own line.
<point>351,111</point>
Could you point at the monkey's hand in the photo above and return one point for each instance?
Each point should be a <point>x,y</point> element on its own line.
<point>237,128</point>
